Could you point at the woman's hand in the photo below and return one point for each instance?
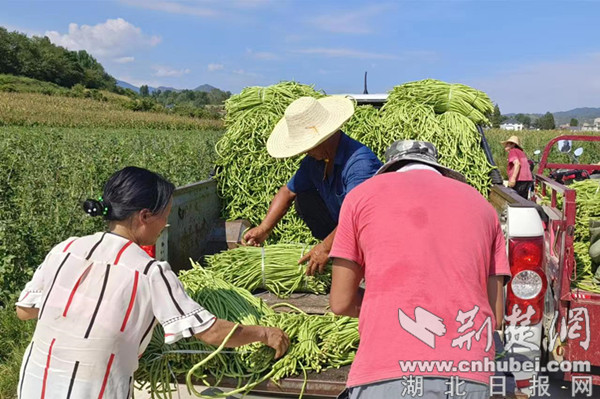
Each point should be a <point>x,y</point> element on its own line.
<point>276,339</point>
<point>511,183</point>
<point>27,313</point>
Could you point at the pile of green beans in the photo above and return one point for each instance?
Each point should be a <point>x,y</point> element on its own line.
<point>587,203</point>
<point>444,97</point>
<point>317,342</point>
<point>272,267</point>
<point>459,147</point>
<point>247,176</point>
<point>440,112</point>
<point>455,136</point>
<point>161,364</point>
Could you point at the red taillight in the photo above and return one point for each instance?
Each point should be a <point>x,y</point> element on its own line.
<point>526,255</point>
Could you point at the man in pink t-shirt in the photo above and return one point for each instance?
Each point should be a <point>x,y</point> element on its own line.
<point>432,254</point>
<point>518,170</point>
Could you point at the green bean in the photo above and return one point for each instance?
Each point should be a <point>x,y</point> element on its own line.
<point>317,342</point>
<point>243,267</point>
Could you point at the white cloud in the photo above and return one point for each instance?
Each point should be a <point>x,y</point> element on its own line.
<point>345,53</point>
<point>545,86</point>
<point>113,38</point>
<point>124,60</point>
<point>173,7</point>
<point>215,67</point>
<point>165,71</point>
<point>356,22</point>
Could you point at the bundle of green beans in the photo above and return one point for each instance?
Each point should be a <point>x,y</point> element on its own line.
<point>444,97</point>
<point>317,342</point>
<point>272,267</point>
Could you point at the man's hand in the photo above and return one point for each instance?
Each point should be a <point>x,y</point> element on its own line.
<point>255,236</point>
<point>276,339</point>
<point>316,259</point>
<point>511,183</point>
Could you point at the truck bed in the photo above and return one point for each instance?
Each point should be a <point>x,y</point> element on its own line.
<point>195,230</point>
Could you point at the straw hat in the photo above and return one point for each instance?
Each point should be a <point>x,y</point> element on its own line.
<point>308,122</point>
<point>513,139</point>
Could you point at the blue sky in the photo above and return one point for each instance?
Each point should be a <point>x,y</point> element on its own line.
<point>529,56</point>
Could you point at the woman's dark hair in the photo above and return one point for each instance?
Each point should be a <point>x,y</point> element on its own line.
<point>128,191</point>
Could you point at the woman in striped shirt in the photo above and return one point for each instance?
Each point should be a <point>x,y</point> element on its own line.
<point>97,299</point>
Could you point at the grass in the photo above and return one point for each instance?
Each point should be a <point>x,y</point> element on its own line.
<point>16,335</point>
<point>45,174</point>
<point>22,84</point>
<point>55,151</point>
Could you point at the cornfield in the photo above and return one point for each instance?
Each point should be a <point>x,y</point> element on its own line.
<point>33,109</point>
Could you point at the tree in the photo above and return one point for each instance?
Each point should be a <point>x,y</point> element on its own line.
<point>144,91</point>
<point>496,118</point>
<point>38,58</point>
<point>524,119</point>
<point>574,122</point>
<point>546,122</point>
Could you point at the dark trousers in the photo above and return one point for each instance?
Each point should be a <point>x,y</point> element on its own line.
<point>312,210</point>
<point>522,188</point>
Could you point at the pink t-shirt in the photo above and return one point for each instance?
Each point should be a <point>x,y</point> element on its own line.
<point>524,171</point>
<point>425,241</point>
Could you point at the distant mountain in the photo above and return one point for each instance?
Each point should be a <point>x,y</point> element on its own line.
<point>206,88</point>
<point>163,88</point>
<point>582,115</point>
<point>126,85</point>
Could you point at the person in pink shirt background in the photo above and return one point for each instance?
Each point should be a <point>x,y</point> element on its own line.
<point>518,170</point>
<point>432,253</point>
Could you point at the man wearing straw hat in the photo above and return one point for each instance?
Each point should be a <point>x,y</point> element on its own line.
<point>334,165</point>
<point>519,173</point>
<point>432,253</point>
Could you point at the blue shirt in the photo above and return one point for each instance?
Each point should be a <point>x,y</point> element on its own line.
<point>354,163</point>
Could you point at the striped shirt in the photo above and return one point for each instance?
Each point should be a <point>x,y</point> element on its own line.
<point>99,298</point>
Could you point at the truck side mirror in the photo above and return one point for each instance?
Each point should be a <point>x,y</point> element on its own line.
<point>564,145</point>
<point>578,152</point>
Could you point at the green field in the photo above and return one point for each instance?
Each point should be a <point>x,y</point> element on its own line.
<point>47,171</point>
